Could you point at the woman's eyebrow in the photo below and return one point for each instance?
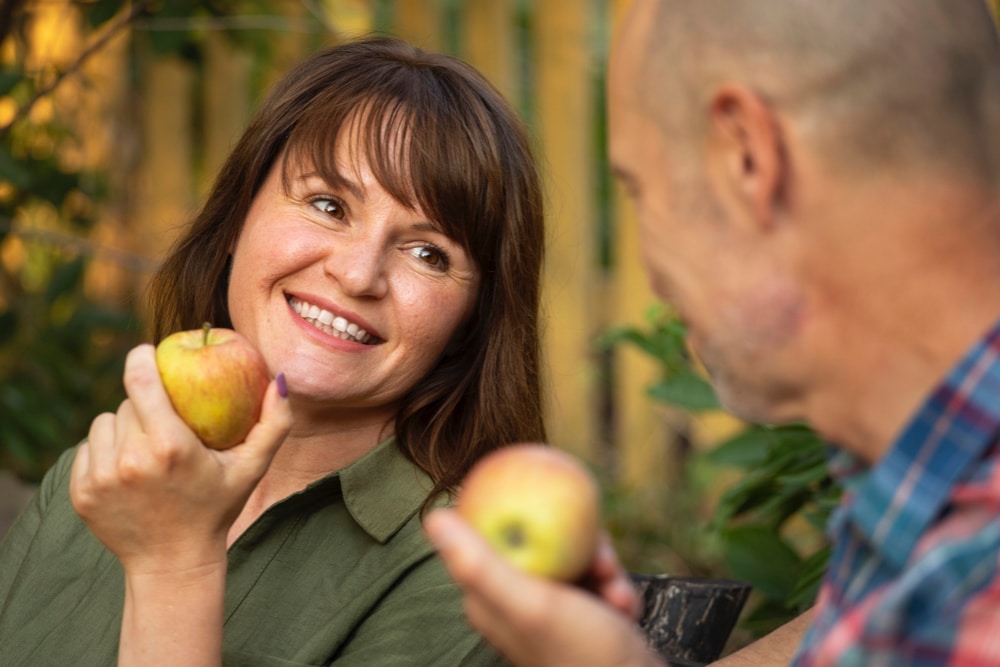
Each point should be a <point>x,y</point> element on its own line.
<point>427,226</point>
<point>354,188</point>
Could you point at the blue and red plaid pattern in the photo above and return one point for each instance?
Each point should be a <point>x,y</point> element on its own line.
<point>914,578</point>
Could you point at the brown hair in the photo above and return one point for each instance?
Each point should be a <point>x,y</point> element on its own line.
<point>466,161</point>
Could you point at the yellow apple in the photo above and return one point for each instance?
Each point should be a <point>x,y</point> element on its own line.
<point>216,381</point>
<point>538,506</point>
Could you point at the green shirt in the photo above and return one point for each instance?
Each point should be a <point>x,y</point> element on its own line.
<point>337,573</point>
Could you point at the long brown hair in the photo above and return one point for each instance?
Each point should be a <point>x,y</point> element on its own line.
<point>466,161</point>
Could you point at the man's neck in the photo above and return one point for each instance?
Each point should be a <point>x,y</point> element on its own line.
<point>899,323</point>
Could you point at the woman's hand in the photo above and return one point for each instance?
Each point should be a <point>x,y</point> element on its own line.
<point>163,503</point>
<point>534,621</point>
<point>151,492</point>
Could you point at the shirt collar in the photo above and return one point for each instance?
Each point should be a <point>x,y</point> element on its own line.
<point>894,502</point>
<point>383,489</point>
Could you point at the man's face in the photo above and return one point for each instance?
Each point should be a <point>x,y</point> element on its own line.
<point>725,277</point>
<point>669,194</point>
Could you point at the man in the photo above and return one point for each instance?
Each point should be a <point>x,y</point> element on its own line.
<point>817,189</point>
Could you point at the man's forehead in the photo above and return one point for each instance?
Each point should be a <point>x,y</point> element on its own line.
<point>639,17</point>
<point>631,37</point>
<point>625,66</point>
<point>624,113</point>
<point>629,124</point>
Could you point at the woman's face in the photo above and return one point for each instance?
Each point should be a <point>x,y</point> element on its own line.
<point>351,295</point>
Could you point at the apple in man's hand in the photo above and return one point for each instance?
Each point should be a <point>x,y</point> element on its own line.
<point>216,380</point>
<point>538,506</point>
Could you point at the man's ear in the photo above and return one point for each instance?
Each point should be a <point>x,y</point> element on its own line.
<point>748,146</point>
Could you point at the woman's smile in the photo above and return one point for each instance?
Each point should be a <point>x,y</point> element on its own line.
<point>335,325</point>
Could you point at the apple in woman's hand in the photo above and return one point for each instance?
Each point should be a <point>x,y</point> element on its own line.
<point>216,380</point>
<point>538,506</point>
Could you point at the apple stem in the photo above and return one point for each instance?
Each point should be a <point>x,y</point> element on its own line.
<point>206,327</point>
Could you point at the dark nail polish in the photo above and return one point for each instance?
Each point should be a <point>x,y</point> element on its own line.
<point>282,385</point>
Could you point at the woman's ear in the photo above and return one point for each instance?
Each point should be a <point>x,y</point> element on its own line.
<point>746,140</point>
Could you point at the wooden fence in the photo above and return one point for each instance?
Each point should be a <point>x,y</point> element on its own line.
<point>160,125</point>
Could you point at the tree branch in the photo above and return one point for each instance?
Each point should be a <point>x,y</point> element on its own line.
<point>110,32</point>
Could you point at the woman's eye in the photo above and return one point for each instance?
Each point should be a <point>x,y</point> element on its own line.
<point>330,207</point>
<point>431,256</point>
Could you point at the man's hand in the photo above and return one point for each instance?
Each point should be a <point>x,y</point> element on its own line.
<point>537,622</point>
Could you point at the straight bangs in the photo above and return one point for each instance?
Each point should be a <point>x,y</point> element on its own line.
<point>430,143</point>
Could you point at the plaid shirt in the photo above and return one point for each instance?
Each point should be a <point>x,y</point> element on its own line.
<point>914,578</point>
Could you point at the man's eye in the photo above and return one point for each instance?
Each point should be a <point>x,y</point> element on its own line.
<point>330,207</point>
<point>431,256</point>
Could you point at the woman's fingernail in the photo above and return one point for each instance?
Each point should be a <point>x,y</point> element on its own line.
<point>282,385</point>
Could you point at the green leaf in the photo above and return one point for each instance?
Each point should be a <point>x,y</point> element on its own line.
<point>66,278</point>
<point>686,390</point>
<point>24,414</point>
<point>15,445</point>
<point>760,556</point>
<point>12,170</point>
<point>747,449</point>
<point>8,326</point>
<point>743,497</point>
<point>52,184</point>
<point>803,595</point>
<point>664,340</point>
<point>8,79</point>
<point>100,12</point>
<point>807,477</point>
<point>625,334</point>
<point>169,41</point>
<point>780,506</point>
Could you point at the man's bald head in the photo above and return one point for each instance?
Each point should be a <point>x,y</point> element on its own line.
<point>908,84</point>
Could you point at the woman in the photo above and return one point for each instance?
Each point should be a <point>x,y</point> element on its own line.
<point>377,234</point>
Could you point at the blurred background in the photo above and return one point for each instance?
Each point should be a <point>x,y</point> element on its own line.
<point>114,117</point>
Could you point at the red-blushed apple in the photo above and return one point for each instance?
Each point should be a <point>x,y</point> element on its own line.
<point>538,506</point>
<point>216,380</point>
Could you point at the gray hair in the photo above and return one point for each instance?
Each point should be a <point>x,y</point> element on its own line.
<point>905,83</point>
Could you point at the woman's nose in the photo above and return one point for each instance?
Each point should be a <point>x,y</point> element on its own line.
<point>359,266</point>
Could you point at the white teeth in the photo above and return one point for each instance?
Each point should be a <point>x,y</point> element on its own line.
<point>328,322</point>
